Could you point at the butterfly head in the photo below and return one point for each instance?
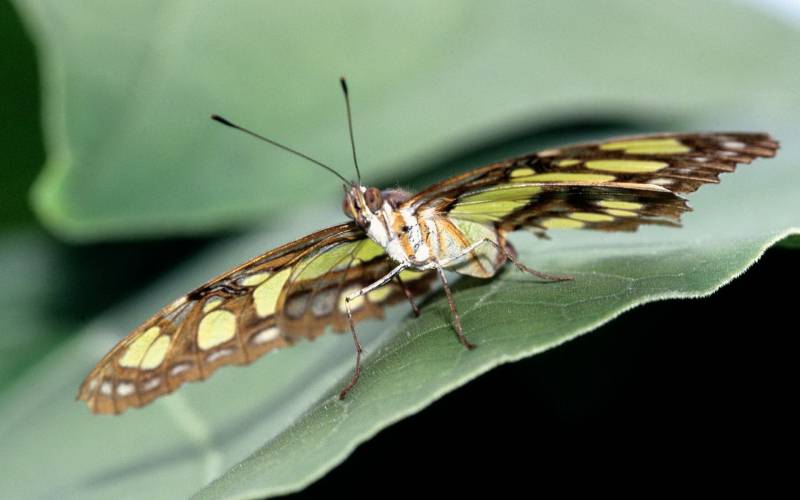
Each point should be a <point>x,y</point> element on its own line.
<point>361,203</point>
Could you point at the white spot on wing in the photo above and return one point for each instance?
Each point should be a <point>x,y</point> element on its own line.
<point>548,152</point>
<point>661,181</point>
<point>179,368</point>
<point>219,354</point>
<point>151,384</point>
<point>264,336</point>
<point>124,389</point>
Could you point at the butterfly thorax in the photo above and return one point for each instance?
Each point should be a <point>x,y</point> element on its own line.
<point>422,236</point>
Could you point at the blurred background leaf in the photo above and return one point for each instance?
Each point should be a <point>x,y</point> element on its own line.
<point>21,140</point>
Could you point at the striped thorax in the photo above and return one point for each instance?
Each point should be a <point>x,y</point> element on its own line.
<point>419,235</point>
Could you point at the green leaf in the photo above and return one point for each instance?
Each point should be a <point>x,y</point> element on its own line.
<point>129,87</point>
<point>277,425</point>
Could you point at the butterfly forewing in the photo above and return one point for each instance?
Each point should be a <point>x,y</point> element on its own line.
<point>614,185</point>
<point>291,293</point>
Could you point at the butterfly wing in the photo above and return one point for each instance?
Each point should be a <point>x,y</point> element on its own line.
<point>292,292</point>
<point>613,185</point>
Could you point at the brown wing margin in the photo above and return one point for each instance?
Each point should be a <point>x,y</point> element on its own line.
<point>239,316</point>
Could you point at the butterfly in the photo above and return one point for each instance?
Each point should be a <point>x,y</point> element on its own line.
<point>397,244</point>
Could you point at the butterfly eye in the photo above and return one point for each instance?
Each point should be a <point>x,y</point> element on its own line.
<point>373,199</point>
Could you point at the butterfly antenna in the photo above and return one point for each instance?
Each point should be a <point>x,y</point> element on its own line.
<point>350,125</point>
<point>277,144</point>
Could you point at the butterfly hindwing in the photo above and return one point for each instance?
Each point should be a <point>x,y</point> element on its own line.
<point>293,292</point>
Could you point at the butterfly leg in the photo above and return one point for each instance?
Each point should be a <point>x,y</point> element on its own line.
<point>359,349</point>
<point>409,296</point>
<point>453,310</point>
<point>511,255</point>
